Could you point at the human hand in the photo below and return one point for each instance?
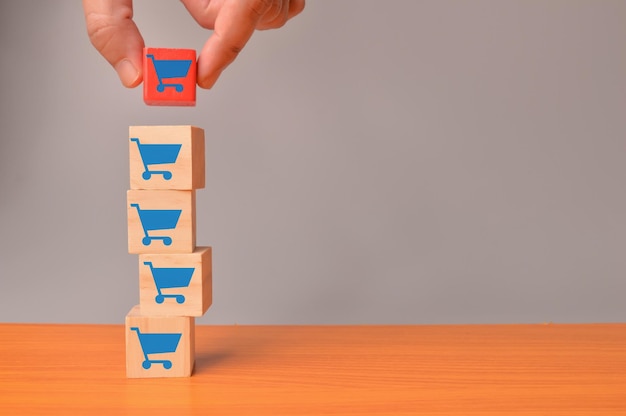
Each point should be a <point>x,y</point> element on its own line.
<point>114,34</point>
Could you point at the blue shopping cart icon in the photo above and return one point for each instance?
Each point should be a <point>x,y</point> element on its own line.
<point>156,220</point>
<point>170,278</point>
<point>157,344</point>
<point>170,68</point>
<point>156,154</point>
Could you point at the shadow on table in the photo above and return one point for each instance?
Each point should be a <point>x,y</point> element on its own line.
<point>225,346</point>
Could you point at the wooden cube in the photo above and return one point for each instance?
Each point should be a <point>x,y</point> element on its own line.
<point>162,346</point>
<point>166,157</point>
<point>161,221</point>
<point>175,284</point>
<point>169,76</point>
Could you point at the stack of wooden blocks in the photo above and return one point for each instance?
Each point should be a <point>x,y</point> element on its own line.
<point>167,166</point>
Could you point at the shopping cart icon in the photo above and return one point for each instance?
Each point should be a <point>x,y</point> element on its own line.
<point>156,154</point>
<point>156,344</point>
<point>170,278</point>
<point>167,69</point>
<point>155,220</point>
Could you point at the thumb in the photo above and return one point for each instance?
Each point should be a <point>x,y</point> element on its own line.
<point>114,34</point>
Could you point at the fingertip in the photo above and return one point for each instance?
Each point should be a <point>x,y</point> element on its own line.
<point>295,7</point>
<point>205,84</point>
<point>208,80</point>
<point>128,73</point>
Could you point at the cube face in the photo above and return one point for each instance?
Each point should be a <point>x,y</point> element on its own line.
<point>169,76</point>
<point>166,157</point>
<point>161,346</point>
<point>176,284</point>
<point>161,221</point>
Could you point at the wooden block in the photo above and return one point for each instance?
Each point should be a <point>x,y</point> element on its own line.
<point>169,76</point>
<point>175,284</point>
<point>159,346</point>
<point>166,157</point>
<point>161,221</point>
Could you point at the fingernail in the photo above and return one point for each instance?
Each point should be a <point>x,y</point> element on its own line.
<point>127,72</point>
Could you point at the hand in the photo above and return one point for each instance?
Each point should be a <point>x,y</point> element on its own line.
<point>114,34</point>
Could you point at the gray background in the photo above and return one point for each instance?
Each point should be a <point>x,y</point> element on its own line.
<point>371,162</point>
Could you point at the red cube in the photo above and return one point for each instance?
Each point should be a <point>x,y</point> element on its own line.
<point>169,76</point>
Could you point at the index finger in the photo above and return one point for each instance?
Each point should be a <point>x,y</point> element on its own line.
<point>234,25</point>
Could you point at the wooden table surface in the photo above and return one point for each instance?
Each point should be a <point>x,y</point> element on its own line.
<point>543,369</point>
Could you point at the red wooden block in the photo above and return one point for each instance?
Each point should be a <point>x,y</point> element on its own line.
<point>169,76</point>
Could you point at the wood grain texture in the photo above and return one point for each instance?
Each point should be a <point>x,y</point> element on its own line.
<point>183,236</point>
<point>196,297</point>
<point>318,370</point>
<point>188,170</point>
<point>165,357</point>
